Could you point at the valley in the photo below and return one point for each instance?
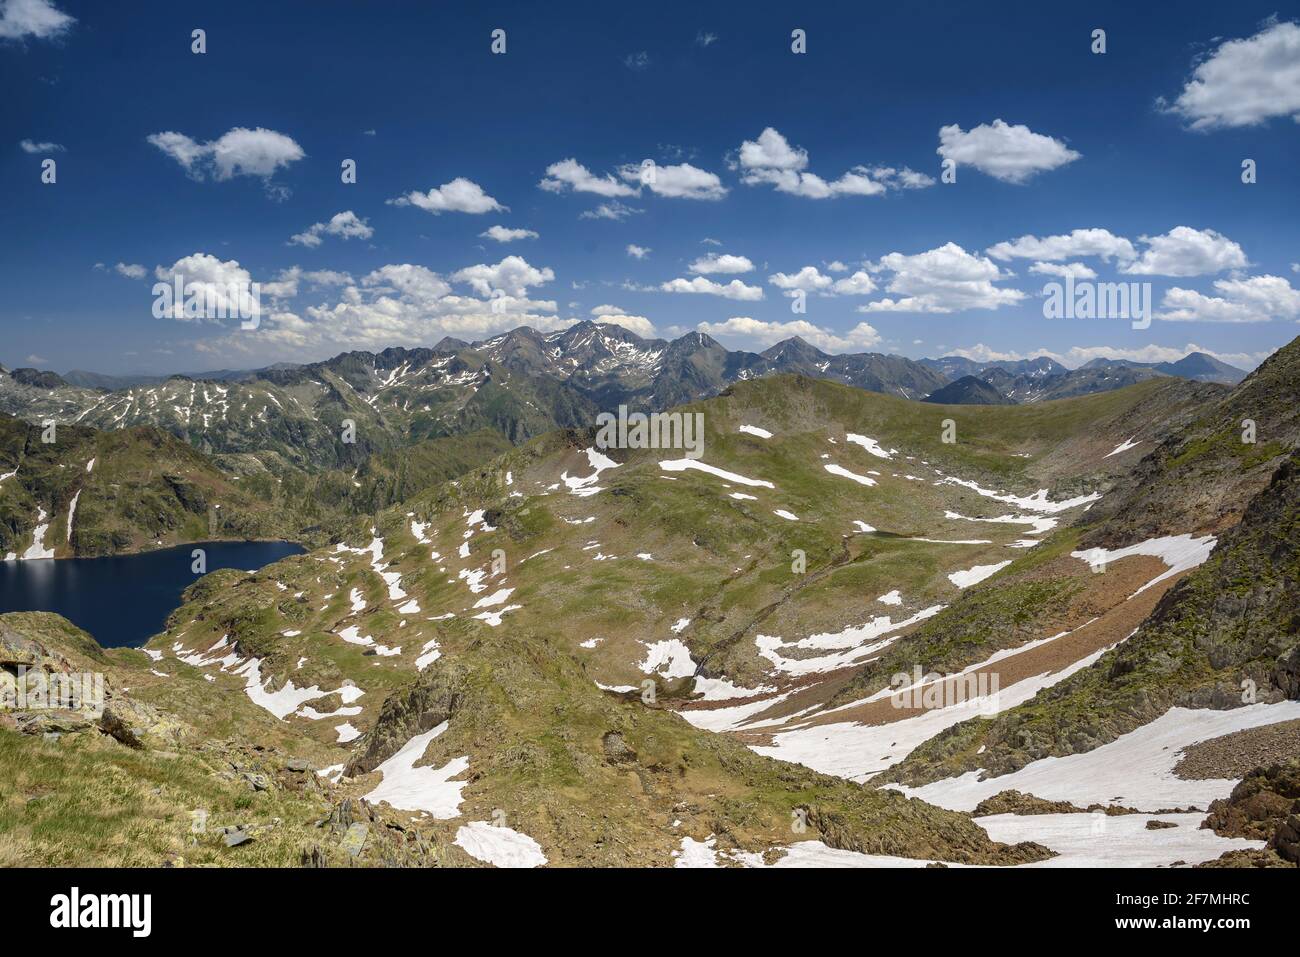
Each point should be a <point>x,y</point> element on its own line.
<point>857,630</point>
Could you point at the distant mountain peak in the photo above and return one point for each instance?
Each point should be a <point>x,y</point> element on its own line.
<point>968,390</point>
<point>794,347</point>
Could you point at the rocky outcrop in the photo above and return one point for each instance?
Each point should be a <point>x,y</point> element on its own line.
<point>1264,806</point>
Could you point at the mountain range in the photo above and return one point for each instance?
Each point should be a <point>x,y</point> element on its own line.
<point>861,629</point>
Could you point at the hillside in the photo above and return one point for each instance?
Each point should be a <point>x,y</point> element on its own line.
<point>459,654</point>
<point>99,493</point>
<point>1225,636</point>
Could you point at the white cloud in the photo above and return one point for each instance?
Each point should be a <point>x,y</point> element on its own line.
<point>417,283</point>
<point>637,62</point>
<point>1101,243</point>
<point>212,285</point>
<point>904,178</point>
<point>398,304</point>
<point>1184,251</point>
<point>613,210</point>
<point>682,181</point>
<point>807,279</point>
<point>41,19</point>
<point>608,310</point>
<point>732,290</point>
<point>945,279</point>
<point>345,225</point>
<point>28,146</point>
<point>771,151</point>
<point>721,263</point>
<point>570,174</point>
<point>859,284</point>
<point>238,152</point>
<point>861,336</point>
<point>1073,270</point>
<point>640,325</point>
<point>705,39</point>
<point>1012,154</point>
<point>771,160</point>
<point>1257,299</point>
<point>638,252</point>
<point>1245,82</point>
<point>810,279</point>
<point>504,235</point>
<point>461,195</point>
<point>512,276</point>
<point>131,270</point>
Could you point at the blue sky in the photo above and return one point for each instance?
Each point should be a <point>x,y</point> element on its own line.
<point>775,172</point>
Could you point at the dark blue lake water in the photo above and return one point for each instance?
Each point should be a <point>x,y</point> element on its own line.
<point>125,599</point>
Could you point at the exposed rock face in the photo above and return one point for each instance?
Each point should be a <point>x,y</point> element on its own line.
<point>428,703</point>
<point>1264,806</point>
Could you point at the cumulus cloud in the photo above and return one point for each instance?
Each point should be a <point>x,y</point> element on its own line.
<point>1009,153</point>
<point>131,270</point>
<point>640,325</point>
<point>397,304</point>
<point>461,195</point>
<point>1184,251</point>
<point>761,333</point>
<point>1101,243</point>
<point>771,160</point>
<point>1064,270</point>
<point>807,279</point>
<point>859,284</point>
<point>27,146</point>
<point>1244,82</point>
<point>40,19</point>
<point>512,276</point>
<point>945,279</point>
<point>504,235</point>
<point>732,290</point>
<point>904,178</point>
<point>637,252</point>
<point>1257,299</point>
<point>213,286</point>
<point>682,181</point>
<point>810,279</point>
<point>721,263</point>
<point>345,225</point>
<point>239,152</point>
<point>570,174</point>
